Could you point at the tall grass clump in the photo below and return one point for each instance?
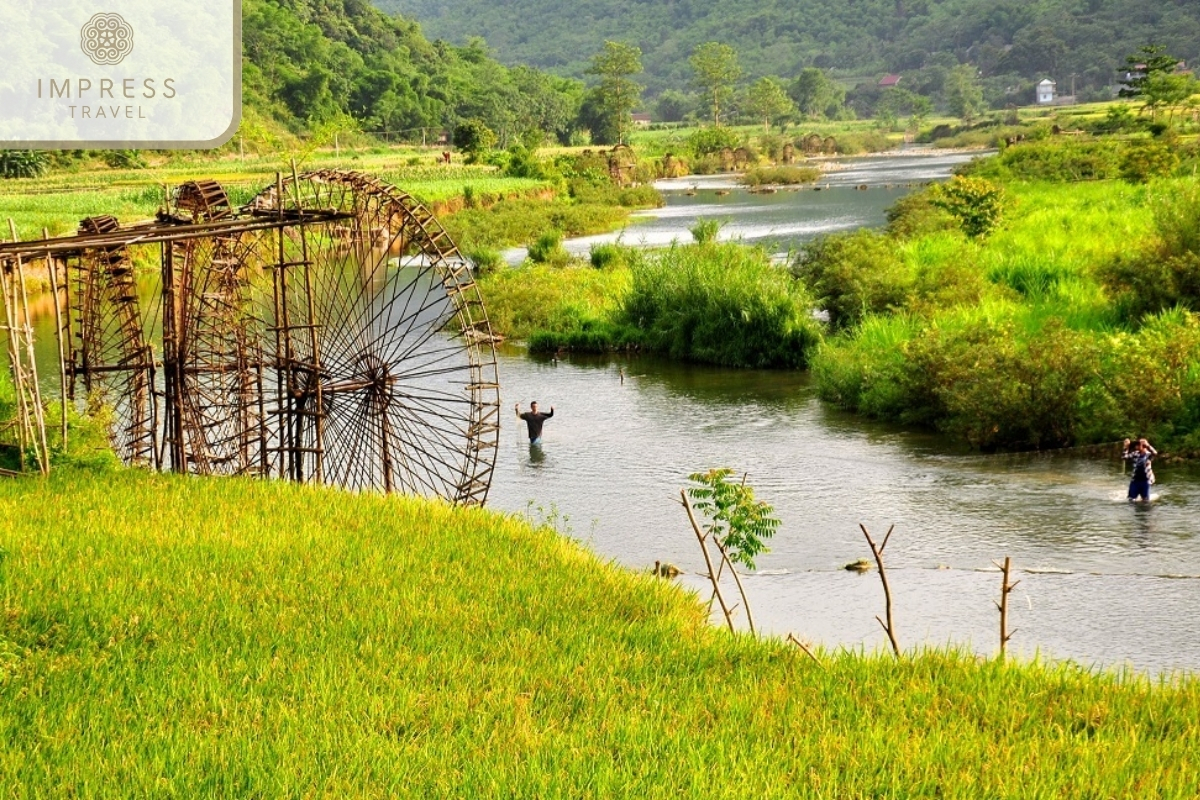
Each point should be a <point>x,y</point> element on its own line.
<point>721,304</point>
<point>779,176</point>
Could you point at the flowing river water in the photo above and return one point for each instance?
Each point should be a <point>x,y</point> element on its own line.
<point>1103,583</point>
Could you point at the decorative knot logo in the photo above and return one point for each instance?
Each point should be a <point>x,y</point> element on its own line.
<point>106,39</point>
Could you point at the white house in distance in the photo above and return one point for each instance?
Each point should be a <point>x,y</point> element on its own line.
<point>1046,92</point>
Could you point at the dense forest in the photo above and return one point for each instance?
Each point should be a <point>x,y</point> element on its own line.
<point>1013,43</point>
<point>313,62</point>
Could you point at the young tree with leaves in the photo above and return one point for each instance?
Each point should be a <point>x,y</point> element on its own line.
<point>766,100</point>
<point>618,94</point>
<point>1149,61</point>
<point>816,94</point>
<point>717,73</point>
<point>964,95</point>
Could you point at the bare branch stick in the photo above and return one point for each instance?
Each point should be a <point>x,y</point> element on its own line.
<point>890,626</point>
<point>712,573</point>
<point>792,638</point>
<point>736,579</point>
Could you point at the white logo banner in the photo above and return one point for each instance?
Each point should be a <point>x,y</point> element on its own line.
<point>159,74</point>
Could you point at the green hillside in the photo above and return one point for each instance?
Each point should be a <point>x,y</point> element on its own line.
<point>1013,42</point>
<point>311,61</point>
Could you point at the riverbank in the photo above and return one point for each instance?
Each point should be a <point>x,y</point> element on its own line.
<point>210,637</point>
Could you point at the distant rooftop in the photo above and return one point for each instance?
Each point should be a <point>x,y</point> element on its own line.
<point>889,80</point>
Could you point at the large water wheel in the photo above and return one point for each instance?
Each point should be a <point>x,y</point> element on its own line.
<point>328,331</point>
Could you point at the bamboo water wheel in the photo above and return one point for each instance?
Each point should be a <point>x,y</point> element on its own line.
<point>327,331</point>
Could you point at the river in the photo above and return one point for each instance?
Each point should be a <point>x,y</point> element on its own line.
<point>1102,583</point>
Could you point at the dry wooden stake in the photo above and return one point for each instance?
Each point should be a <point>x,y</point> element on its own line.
<point>1005,589</point>
<point>889,627</point>
<point>52,268</point>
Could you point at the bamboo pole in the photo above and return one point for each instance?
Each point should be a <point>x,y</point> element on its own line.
<point>40,446</point>
<point>889,627</point>
<point>52,268</point>
<point>712,574</point>
<point>791,637</point>
<point>14,361</point>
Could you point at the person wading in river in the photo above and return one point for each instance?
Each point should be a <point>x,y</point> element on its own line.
<point>534,421</point>
<point>1140,454</point>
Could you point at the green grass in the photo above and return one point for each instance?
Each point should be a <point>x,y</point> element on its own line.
<point>173,637</point>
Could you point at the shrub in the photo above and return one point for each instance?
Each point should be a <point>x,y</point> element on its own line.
<point>721,304</point>
<point>786,175</point>
<point>852,274</point>
<point>1148,159</point>
<point>916,215</point>
<point>976,203</point>
<point>708,141</point>
<point>485,260</point>
<point>1056,159</point>
<point>548,249</point>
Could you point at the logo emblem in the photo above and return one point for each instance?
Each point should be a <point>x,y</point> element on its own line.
<point>106,39</point>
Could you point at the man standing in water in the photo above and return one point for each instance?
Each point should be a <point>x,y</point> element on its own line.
<point>534,420</point>
<point>1139,454</point>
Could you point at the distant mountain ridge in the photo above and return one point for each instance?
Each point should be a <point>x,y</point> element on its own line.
<point>1009,40</point>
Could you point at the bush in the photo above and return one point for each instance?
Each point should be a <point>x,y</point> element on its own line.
<point>708,141</point>
<point>976,203</point>
<point>485,260</point>
<point>548,249</point>
<point>1146,160</point>
<point>124,159</point>
<point>1057,159</point>
<point>916,215</point>
<point>721,304</point>
<point>23,163</point>
<point>852,274</point>
<point>786,176</point>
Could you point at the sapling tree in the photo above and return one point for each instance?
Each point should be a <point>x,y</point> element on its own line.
<point>735,522</point>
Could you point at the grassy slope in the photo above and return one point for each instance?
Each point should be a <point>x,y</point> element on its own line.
<point>188,638</point>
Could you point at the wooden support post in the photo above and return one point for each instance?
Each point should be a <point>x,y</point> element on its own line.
<point>889,627</point>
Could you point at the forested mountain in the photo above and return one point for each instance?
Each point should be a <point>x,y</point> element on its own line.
<point>310,61</point>
<point>1012,42</point>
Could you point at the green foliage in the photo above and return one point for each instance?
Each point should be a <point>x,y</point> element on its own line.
<point>706,230</point>
<point>853,274</point>
<point>1165,271</point>
<point>816,94</point>
<point>473,138</point>
<point>707,141</point>
<point>1151,61</point>
<point>915,214</point>
<point>548,249</point>
<point>1057,160</point>
<point>717,72</point>
<point>613,256</point>
<point>1146,160</point>
<point>780,176</point>
<point>1014,44</point>
<point>766,100</point>
<point>721,304</point>
<point>485,259</point>
<point>734,517</point>
<point>124,159</point>
<point>964,94</point>
<point>617,93</point>
<point>23,163</point>
<point>976,203</point>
